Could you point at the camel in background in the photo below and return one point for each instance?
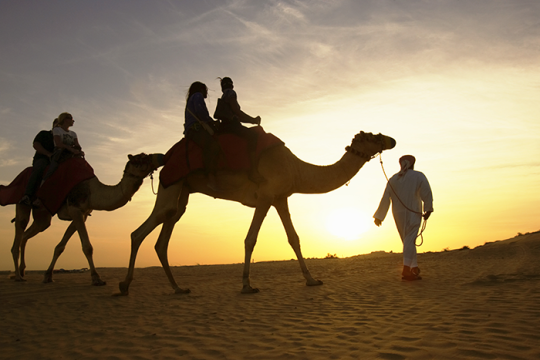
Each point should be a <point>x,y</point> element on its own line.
<point>85,197</point>
<point>285,175</point>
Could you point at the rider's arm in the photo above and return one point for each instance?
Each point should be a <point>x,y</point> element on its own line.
<point>40,149</point>
<point>200,109</point>
<point>242,116</point>
<point>59,144</point>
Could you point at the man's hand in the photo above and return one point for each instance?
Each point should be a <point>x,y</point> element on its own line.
<point>258,120</point>
<point>378,222</point>
<point>427,214</point>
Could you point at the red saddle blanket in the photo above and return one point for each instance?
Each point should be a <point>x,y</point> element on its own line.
<point>12,193</point>
<point>53,192</point>
<point>185,156</point>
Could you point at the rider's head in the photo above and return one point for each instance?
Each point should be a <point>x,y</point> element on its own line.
<point>197,87</point>
<point>63,117</point>
<point>226,83</point>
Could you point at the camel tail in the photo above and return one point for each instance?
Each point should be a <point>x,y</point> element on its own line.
<point>12,221</point>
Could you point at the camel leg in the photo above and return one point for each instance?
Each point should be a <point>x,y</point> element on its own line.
<point>22,217</point>
<point>58,250</point>
<point>164,208</point>
<point>162,243</point>
<point>79,219</point>
<point>282,208</point>
<point>42,221</point>
<point>263,205</point>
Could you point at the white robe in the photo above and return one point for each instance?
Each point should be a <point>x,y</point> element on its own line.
<point>413,189</point>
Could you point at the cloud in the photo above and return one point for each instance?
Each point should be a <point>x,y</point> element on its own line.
<point>5,145</point>
<point>6,157</point>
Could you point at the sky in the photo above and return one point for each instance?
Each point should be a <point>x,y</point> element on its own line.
<point>456,83</point>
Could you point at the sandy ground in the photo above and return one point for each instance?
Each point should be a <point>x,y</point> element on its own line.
<point>481,303</point>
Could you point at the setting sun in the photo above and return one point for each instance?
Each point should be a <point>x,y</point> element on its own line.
<point>347,223</point>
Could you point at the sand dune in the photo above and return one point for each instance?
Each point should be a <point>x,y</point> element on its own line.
<point>481,303</point>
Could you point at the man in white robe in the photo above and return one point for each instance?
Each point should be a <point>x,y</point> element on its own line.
<point>407,191</point>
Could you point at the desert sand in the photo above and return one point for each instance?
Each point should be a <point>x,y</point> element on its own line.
<point>481,303</point>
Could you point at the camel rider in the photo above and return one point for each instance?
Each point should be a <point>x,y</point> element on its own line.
<point>232,117</point>
<point>44,146</point>
<point>197,119</point>
<point>66,142</point>
<point>407,190</point>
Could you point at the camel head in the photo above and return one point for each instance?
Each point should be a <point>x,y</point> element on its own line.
<point>367,145</point>
<point>142,165</point>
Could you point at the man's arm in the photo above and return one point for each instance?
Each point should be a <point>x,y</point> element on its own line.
<point>40,149</point>
<point>242,116</point>
<point>384,205</point>
<point>427,197</point>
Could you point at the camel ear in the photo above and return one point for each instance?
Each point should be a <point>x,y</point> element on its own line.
<point>130,157</point>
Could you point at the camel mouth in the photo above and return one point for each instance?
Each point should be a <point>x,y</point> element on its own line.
<point>155,161</point>
<point>158,160</point>
<point>388,142</point>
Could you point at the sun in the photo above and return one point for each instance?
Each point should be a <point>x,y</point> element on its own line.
<point>347,223</point>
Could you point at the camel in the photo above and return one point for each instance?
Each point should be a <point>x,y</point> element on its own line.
<point>284,175</point>
<point>87,196</point>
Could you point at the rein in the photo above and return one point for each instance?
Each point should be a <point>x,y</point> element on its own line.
<point>360,154</point>
<point>152,182</point>
<point>424,222</point>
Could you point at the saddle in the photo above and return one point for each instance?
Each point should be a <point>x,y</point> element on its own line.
<point>55,189</point>
<point>12,193</point>
<point>185,156</point>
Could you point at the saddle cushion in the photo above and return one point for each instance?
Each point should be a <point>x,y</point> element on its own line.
<point>185,156</point>
<point>55,189</point>
<point>12,193</point>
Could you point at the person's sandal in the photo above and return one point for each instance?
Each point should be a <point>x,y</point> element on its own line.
<point>413,275</point>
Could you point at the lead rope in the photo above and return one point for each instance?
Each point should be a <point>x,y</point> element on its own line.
<point>424,222</point>
<point>152,182</point>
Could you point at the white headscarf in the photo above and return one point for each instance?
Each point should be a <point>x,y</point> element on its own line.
<point>406,162</point>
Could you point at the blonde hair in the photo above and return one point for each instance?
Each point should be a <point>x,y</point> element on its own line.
<point>63,117</point>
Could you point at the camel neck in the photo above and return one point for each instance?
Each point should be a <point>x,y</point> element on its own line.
<point>113,197</point>
<point>314,179</point>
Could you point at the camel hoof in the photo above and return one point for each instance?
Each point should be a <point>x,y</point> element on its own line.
<point>19,279</point>
<point>314,283</point>
<point>249,290</point>
<point>99,282</point>
<point>47,279</point>
<point>182,291</point>
<point>124,289</point>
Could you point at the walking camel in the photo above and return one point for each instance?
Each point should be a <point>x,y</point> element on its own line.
<point>285,174</point>
<point>87,196</point>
